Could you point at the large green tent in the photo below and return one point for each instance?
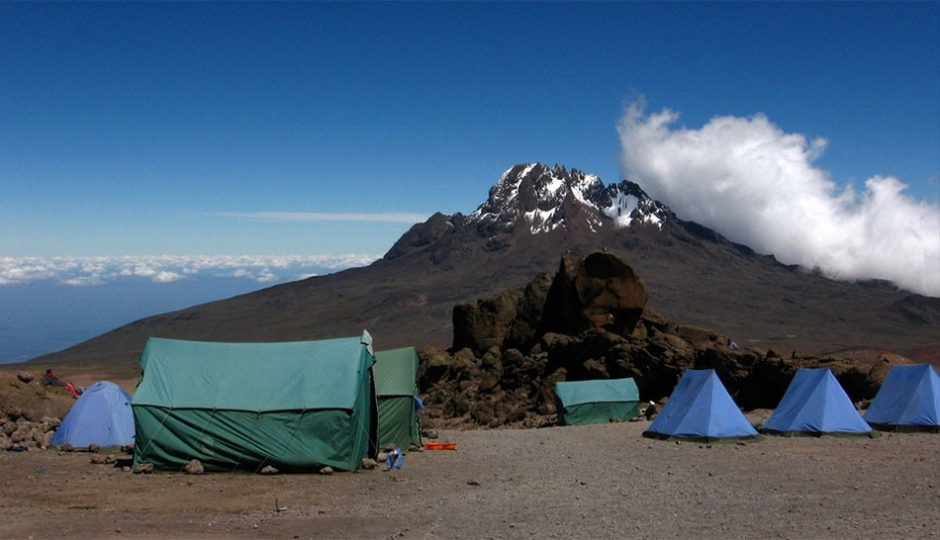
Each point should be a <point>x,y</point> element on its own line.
<point>395,389</point>
<point>296,406</point>
<point>596,401</point>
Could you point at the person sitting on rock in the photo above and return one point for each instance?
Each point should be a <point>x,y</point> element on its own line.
<point>51,380</point>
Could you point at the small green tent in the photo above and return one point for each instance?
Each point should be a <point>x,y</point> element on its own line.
<point>597,401</point>
<point>297,406</point>
<point>395,389</point>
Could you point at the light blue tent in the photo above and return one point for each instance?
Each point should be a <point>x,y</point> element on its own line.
<point>908,400</point>
<point>700,408</point>
<point>102,415</point>
<point>815,404</point>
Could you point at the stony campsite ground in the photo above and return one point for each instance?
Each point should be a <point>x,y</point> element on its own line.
<point>599,481</point>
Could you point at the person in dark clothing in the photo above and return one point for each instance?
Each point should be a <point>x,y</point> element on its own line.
<point>51,380</point>
<point>650,411</point>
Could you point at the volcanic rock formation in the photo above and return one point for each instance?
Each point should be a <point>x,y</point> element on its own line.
<point>591,322</point>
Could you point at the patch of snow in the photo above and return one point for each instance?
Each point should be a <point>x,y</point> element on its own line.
<point>621,208</point>
<point>540,221</point>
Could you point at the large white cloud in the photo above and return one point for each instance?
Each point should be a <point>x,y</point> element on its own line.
<point>90,271</point>
<point>757,185</point>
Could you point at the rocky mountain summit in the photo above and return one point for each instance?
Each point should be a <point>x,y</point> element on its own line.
<point>591,321</point>
<point>543,199</point>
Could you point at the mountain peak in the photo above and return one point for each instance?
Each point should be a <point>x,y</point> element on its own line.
<point>543,199</point>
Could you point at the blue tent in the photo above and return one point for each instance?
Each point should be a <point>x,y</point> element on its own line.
<point>102,415</point>
<point>815,404</point>
<point>700,408</point>
<point>909,399</point>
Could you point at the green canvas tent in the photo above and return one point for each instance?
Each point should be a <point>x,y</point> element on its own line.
<point>297,406</point>
<point>597,401</point>
<point>395,389</point>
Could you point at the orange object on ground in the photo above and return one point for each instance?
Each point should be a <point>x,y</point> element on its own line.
<point>440,446</point>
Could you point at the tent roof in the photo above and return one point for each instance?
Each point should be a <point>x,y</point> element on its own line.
<point>596,391</point>
<point>395,372</point>
<point>816,403</point>
<point>700,407</point>
<point>910,396</point>
<point>259,377</point>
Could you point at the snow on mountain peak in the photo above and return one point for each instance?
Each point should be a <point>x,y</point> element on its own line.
<point>540,195</point>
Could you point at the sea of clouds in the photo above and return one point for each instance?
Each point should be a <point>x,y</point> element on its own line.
<point>50,303</point>
<point>758,185</point>
<point>90,271</point>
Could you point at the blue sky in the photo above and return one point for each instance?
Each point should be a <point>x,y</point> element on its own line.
<point>140,129</point>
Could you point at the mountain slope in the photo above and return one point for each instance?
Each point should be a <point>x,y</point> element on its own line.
<point>532,216</point>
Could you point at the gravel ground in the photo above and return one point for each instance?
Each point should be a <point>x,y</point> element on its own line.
<point>600,481</point>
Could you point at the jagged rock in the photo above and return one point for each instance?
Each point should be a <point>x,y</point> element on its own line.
<point>485,324</point>
<point>369,463</point>
<point>434,366</point>
<point>599,291</point>
<point>594,325</point>
<point>100,459</point>
<point>194,467</point>
<point>93,447</point>
<point>143,468</point>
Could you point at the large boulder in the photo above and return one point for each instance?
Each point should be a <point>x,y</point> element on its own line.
<point>600,290</point>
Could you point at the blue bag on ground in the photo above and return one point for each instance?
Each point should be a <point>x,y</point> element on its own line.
<point>395,459</point>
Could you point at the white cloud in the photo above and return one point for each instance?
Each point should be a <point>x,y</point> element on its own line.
<point>90,271</point>
<point>321,216</point>
<point>757,185</point>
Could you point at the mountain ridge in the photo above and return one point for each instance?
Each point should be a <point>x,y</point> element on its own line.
<point>533,215</point>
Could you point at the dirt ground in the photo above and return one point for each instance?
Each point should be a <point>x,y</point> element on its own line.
<point>600,481</point>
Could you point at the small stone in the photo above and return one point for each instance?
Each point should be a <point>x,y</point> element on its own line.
<point>268,470</point>
<point>93,447</point>
<point>24,376</point>
<point>326,471</point>
<point>369,463</point>
<point>194,467</point>
<point>143,468</point>
<point>473,482</point>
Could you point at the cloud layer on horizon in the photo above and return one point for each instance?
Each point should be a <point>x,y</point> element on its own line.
<point>88,271</point>
<point>757,185</point>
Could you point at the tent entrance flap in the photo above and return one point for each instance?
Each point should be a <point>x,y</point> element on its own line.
<point>396,373</point>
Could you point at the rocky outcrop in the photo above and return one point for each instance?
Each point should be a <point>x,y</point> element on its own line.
<point>600,290</point>
<point>507,320</point>
<point>591,322</point>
